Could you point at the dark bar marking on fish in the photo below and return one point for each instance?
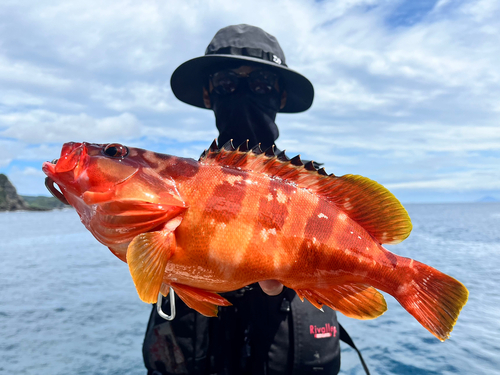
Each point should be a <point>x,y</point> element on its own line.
<point>142,154</point>
<point>393,259</point>
<point>320,224</point>
<point>226,201</point>
<point>313,253</point>
<point>272,213</point>
<point>180,168</point>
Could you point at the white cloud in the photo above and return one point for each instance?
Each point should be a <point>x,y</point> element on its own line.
<point>184,127</point>
<point>28,181</point>
<point>8,151</point>
<point>110,34</point>
<point>407,103</point>
<point>15,98</point>
<point>391,138</point>
<point>460,181</point>
<point>26,73</point>
<point>481,10</point>
<point>136,95</point>
<point>347,95</point>
<point>14,150</point>
<point>30,171</point>
<point>40,126</point>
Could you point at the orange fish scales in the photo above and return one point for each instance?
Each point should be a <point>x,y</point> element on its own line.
<point>327,247</point>
<point>225,215</point>
<point>320,223</point>
<point>237,217</point>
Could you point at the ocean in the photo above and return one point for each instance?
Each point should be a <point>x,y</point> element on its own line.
<point>68,306</point>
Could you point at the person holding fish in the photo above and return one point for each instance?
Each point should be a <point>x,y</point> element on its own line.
<point>244,79</point>
<point>209,232</point>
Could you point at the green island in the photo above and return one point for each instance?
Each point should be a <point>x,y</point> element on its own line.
<point>11,201</point>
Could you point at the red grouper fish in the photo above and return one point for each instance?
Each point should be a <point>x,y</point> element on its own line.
<point>239,216</point>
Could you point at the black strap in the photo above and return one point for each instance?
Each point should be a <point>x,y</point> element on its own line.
<point>344,336</point>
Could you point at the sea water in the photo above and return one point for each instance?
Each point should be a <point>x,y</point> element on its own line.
<point>68,306</point>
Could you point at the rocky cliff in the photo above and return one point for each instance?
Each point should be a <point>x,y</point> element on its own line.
<point>9,200</point>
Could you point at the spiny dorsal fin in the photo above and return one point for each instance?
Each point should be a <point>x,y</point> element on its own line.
<point>256,149</point>
<point>270,151</point>
<point>213,146</point>
<point>365,201</point>
<point>243,147</point>
<point>310,166</point>
<point>228,146</point>
<point>282,156</point>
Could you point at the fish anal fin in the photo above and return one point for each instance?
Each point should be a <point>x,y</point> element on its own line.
<point>363,200</point>
<point>203,301</point>
<point>353,300</point>
<point>300,294</point>
<point>147,257</point>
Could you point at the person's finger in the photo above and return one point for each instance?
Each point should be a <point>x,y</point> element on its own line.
<point>271,287</point>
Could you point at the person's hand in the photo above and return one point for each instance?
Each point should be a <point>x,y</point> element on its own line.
<point>271,287</point>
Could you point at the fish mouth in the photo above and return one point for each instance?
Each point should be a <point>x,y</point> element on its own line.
<point>49,169</point>
<point>72,155</point>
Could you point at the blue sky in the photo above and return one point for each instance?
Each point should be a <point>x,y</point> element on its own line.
<point>406,92</point>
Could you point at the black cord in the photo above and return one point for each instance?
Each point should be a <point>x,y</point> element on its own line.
<point>344,336</point>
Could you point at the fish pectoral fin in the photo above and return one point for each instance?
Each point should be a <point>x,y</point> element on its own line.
<point>147,257</point>
<point>203,301</point>
<point>353,300</point>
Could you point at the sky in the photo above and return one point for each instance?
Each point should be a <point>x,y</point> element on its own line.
<point>407,93</point>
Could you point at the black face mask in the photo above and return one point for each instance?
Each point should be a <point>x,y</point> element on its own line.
<point>246,115</point>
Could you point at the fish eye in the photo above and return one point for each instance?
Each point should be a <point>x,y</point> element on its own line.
<point>115,150</point>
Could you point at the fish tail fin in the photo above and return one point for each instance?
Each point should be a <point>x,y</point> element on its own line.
<point>433,298</point>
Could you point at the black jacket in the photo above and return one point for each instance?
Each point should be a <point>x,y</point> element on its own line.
<point>259,334</point>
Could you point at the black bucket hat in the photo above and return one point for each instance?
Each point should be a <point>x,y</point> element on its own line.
<point>237,45</point>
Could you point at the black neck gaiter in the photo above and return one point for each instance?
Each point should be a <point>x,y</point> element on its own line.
<point>245,115</point>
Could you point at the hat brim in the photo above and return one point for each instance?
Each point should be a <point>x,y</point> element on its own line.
<point>188,80</point>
